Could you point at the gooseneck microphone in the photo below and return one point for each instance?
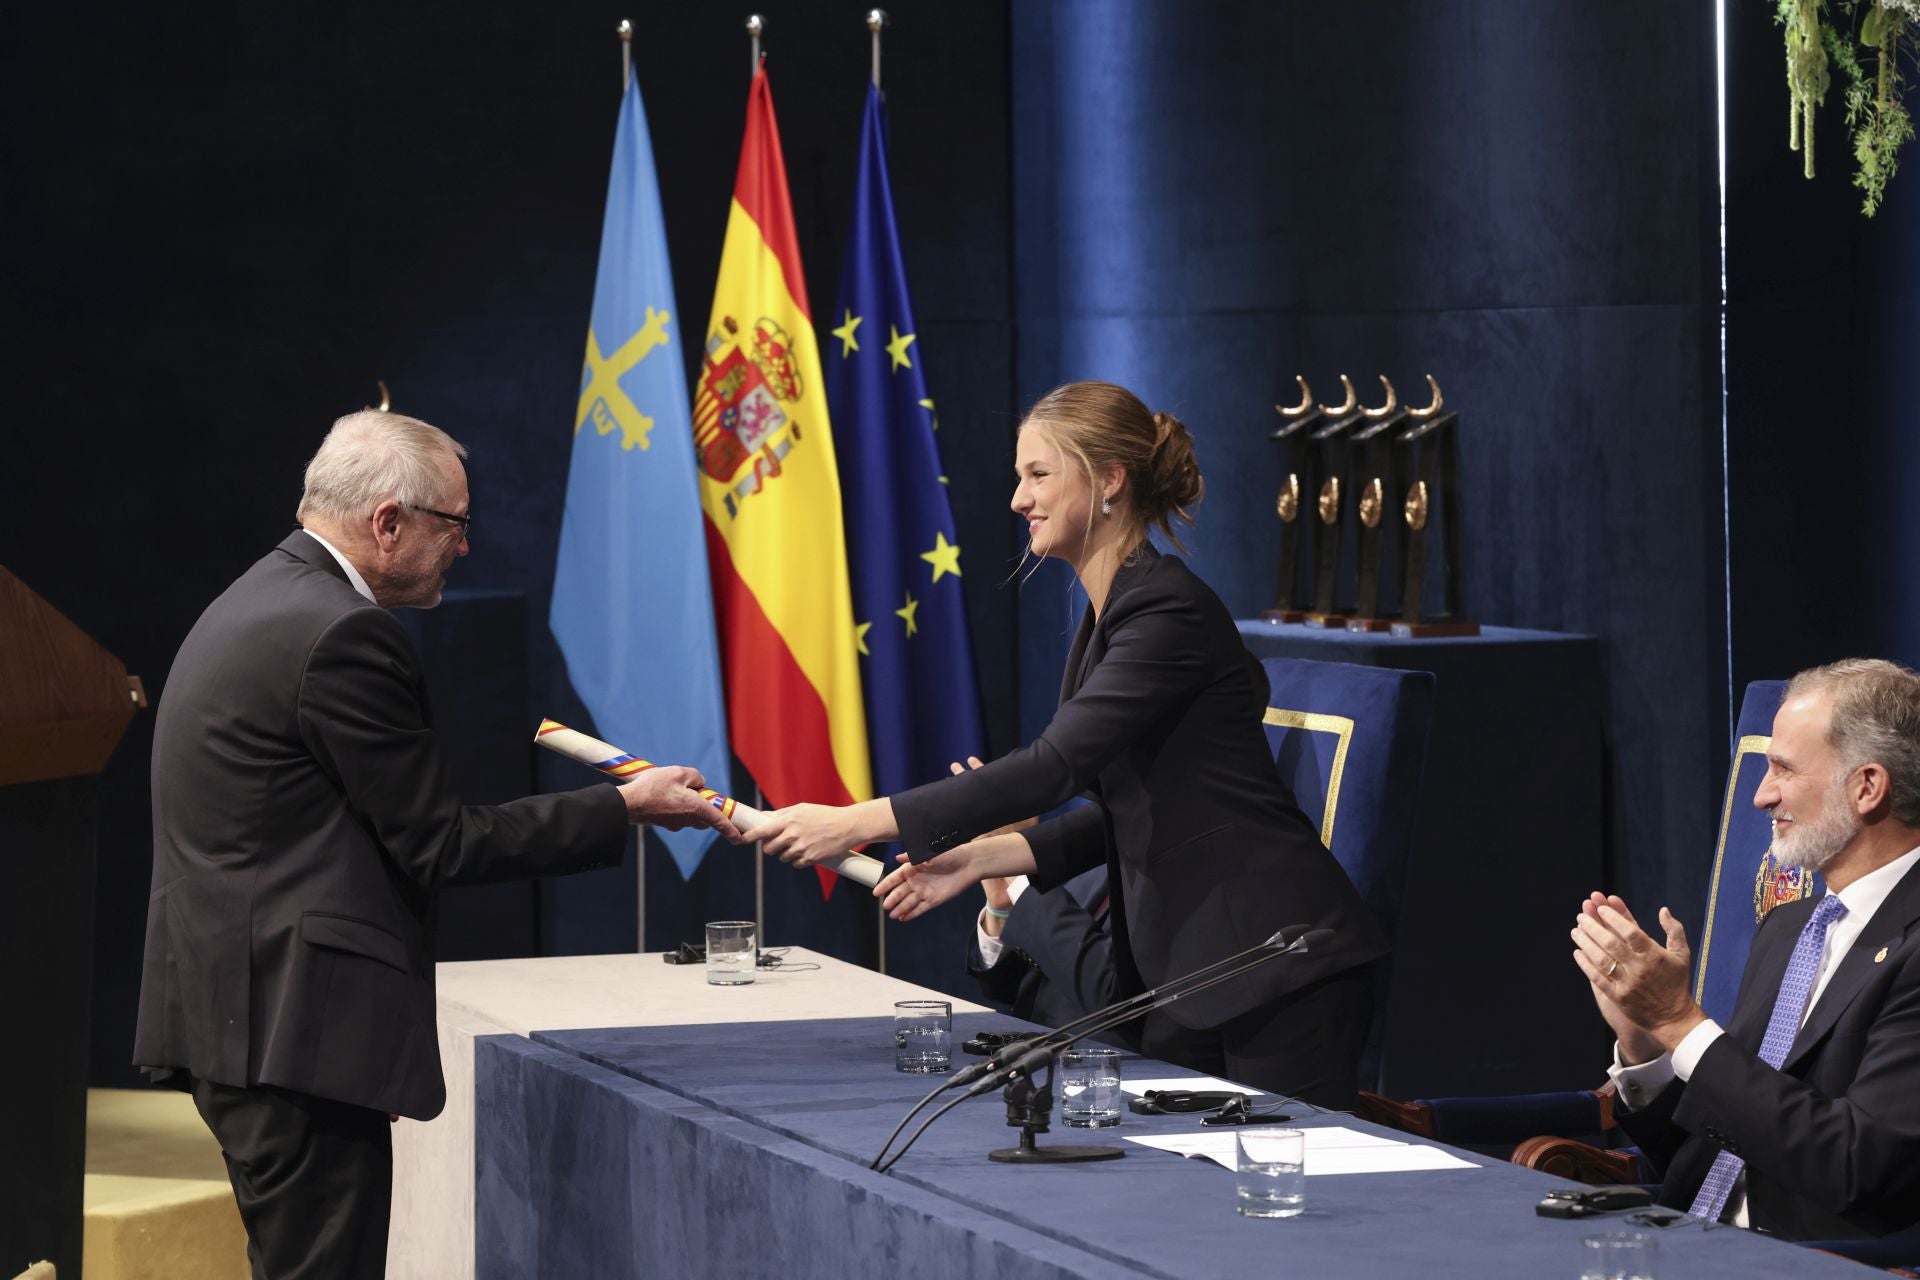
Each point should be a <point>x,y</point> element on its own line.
<point>1023,1057</point>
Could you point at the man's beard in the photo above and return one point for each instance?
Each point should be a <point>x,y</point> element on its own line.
<point>1812,845</point>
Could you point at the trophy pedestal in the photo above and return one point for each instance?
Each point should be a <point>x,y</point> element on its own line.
<point>1326,621</point>
<point>1370,624</point>
<point>1283,615</point>
<point>1438,627</point>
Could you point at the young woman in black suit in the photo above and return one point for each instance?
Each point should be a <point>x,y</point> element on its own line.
<point>1159,723</point>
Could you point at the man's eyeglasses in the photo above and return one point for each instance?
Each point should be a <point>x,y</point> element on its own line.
<point>462,521</point>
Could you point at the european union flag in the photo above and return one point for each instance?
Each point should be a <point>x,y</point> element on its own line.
<point>916,664</point>
<point>632,602</point>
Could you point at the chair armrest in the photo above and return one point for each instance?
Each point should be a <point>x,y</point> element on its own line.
<point>1408,1117</point>
<point>1565,1158</point>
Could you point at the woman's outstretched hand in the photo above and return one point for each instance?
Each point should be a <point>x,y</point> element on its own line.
<point>912,889</point>
<point>803,834</point>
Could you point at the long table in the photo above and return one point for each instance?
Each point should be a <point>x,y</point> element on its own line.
<point>736,1149</point>
<point>432,1232</point>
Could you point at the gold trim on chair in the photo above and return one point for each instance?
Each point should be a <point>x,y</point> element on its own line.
<point>1315,722</point>
<point>1749,745</point>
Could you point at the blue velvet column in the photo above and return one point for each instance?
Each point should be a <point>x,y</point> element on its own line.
<point>1517,198</point>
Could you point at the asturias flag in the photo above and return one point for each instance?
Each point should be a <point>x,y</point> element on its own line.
<point>770,487</point>
<point>632,606</point>
<point>923,706</point>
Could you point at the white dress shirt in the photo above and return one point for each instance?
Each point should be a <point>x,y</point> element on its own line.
<point>990,946</point>
<point>353,574</point>
<point>1637,1085</point>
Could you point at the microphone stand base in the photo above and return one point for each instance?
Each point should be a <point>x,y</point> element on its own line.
<point>1054,1155</point>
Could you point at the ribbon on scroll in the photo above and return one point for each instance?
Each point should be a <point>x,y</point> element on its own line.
<point>621,766</point>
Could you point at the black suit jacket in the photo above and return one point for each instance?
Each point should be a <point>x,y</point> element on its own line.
<point>1056,958</point>
<point>1160,724</point>
<point>303,818</point>
<point>1832,1139</point>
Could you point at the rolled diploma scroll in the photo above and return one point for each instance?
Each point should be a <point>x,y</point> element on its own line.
<point>620,766</point>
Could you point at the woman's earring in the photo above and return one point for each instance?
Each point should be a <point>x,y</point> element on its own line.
<point>1106,506</point>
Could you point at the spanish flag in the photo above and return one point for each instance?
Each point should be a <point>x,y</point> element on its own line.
<point>770,493</point>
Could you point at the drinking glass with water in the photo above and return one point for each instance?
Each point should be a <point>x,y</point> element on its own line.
<point>1272,1164</point>
<point>1090,1087</point>
<point>922,1036</point>
<point>731,953</point>
<point>1617,1255</point>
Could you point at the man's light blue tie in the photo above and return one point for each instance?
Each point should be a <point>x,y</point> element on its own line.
<point>1789,1008</point>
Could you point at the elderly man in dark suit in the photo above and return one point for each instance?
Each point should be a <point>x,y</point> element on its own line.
<point>304,819</point>
<point>1801,1116</point>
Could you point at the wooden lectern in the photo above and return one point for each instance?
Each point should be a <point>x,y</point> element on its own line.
<point>64,702</point>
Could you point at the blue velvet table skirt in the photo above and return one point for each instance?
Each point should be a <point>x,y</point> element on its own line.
<point>740,1150</point>
<point>1507,840</point>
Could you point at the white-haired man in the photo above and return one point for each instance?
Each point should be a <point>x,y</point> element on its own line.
<point>303,820</point>
<point>1801,1116</point>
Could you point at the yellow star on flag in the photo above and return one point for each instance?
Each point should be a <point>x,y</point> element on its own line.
<point>860,630</point>
<point>898,348</point>
<point>945,556</point>
<point>845,333</point>
<point>913,607</point>
<point>932,413</point>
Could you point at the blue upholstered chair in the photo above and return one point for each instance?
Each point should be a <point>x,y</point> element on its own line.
<point>1351,741</point>
<point>1743,885</point>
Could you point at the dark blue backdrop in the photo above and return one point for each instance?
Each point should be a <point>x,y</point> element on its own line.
<point>218,231</point>
<point>1517,198</point>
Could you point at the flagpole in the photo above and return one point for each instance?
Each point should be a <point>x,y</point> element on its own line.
<point>759,879</point>
<point>625,30</point>
<point>755,25</point>
<point>876,23</point>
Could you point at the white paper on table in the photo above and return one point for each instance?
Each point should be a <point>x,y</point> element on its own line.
<point>1194,1083</point>
<point>1331,1149</point>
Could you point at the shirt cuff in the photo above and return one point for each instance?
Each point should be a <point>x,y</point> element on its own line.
<point>990,946</point>
<point>1641,1084</point>
<point>1686,1054</point>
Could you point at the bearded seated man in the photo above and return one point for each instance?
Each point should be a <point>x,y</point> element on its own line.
<point>1800,1117</point>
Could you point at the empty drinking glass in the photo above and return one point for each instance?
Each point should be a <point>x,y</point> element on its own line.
<point>1090,1087</point>
<point>1617,1255</point>
<point>1273,1172</point>
<point>922,1036</point>
<point>731,953</point>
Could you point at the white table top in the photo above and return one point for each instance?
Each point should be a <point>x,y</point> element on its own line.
<point>555,993</point>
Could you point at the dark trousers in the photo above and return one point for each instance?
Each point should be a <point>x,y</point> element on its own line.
<point>1306,1045</point>
<point>314,1180</point>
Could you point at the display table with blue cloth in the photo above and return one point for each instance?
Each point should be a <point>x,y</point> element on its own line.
<point>1507,839</point>
<point>431,1237</point>
<point>734,1150</point>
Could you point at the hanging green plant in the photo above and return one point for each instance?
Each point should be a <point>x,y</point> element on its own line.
<point>1878,118</point>
<point>1807,77</point>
